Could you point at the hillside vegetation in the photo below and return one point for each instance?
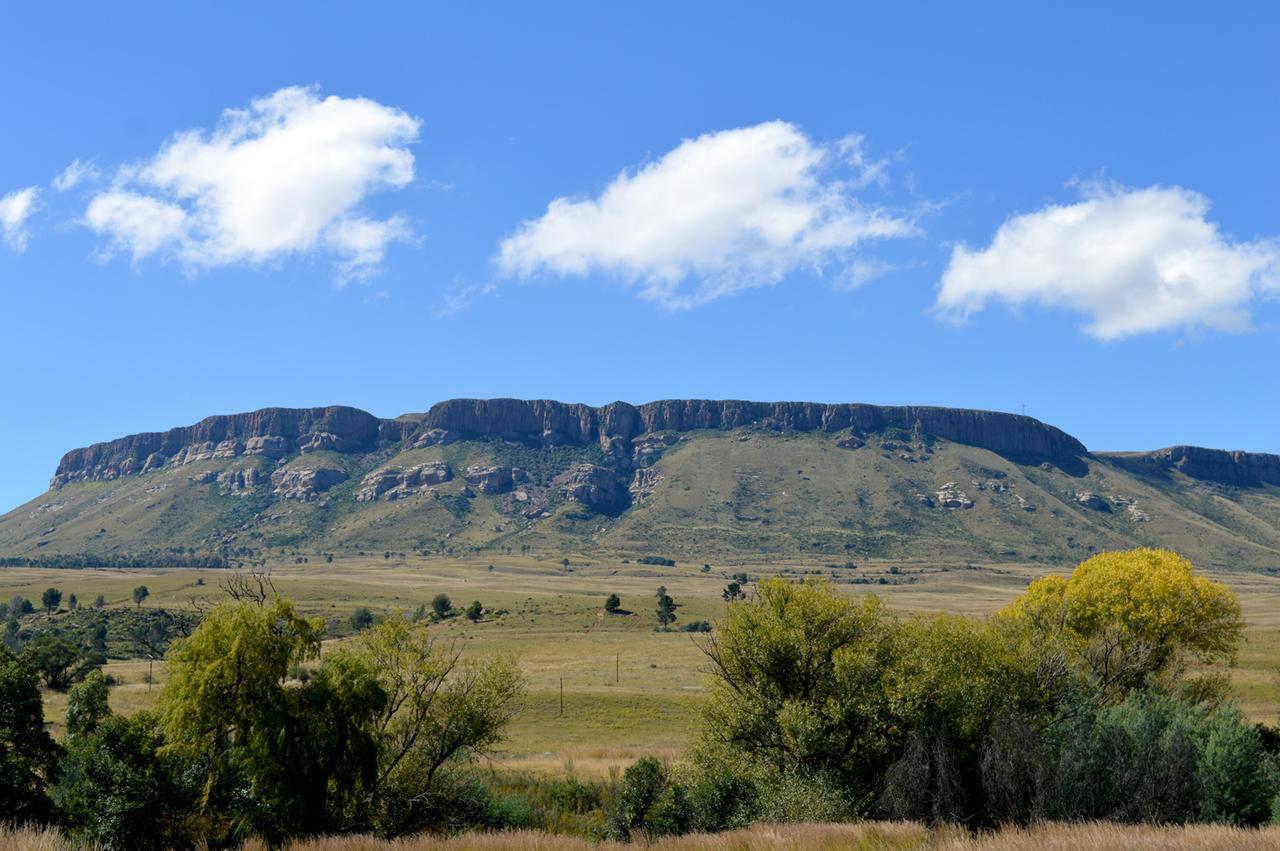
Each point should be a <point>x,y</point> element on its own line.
<point>739,490</point>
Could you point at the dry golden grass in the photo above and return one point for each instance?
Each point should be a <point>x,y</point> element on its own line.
<point>32,839</point>
<point>866,835</point>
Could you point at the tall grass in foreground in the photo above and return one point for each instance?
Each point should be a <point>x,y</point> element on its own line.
<point>865,836</point>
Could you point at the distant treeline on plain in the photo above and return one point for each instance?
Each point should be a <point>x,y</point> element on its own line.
<point>151,558</point>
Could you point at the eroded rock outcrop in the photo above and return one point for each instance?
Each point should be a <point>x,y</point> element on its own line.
<point>643,483</point>
<point>493,480</point>
<point>267,445</point>
<point>239,482</point>
<point>1089,499</point>
<point>950,496</point>
<point>306,483</point>
<point>393,483</point>
<point>595,487</point>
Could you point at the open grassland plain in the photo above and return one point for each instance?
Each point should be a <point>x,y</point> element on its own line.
<point>866,836</point>
<point>603,689</point>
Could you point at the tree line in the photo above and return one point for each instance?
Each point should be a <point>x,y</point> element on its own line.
<point>150,558</point>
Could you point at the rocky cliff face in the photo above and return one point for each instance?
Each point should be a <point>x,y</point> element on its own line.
<point>548,423</point>
<point>625,432</point>
<point>271,431</point>
<point>1241,469</point>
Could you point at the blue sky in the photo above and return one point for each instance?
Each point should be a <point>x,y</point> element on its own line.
<point>982,206</point>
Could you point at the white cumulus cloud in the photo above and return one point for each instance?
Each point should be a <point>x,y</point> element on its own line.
<point>719,213</point>
<point>15,209</point>
<point>287,175</point>
<point>1132,260</point>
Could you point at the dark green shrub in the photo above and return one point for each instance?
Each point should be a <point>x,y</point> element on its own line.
<point>641,789</point>
<point>122,792</point>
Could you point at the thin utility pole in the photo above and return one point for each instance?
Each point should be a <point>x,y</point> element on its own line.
<point>562,696</point>
<point>617,668</point>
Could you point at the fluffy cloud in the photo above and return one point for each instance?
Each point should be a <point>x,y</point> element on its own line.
<point>15,209</point>
<point>285,176</point>
<point>1133,260</point>
<point>719,213</point>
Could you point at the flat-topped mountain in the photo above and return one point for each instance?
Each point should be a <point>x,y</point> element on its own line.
<point>280,431</point>
<point>689,478</point>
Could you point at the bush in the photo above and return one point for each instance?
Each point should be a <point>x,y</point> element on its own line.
<point>121,791</point>
<point>361,619</point>
<point>658,560</point>
<point>796,796</point>
<point>636,799</point>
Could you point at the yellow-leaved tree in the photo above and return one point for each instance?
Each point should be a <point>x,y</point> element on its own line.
<point>1124,618</point>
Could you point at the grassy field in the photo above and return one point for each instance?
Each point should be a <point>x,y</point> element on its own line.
<point>627,690</point>
<point>866,836</point>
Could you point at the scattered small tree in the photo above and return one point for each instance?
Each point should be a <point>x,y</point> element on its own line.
<point>87,705</point>
<point>100,602</point>
<point>51,599</point>
<point>441,605</point>
<point>139,594</point>
<point>474,611</point>
<point>666,608</point>
<point>733,592</point>
<point>73,603</point>
<point>612,604</point>
<point>361,619</point>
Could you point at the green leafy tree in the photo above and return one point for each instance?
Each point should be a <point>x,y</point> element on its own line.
<point>123,790</point>
<point>798,684</point>
<point>440,712</point>
<point>100,602</point>
<point>139,594</point>
<point>276,761</point>
<point>59,662</point>
<point>733,592</point>
<point>73,603</point>
<point>87,705</point>
<point>28,756</point>
<point>51,599</point>
<point>441,605</point>
<point>474,611</point>
<point>612,604</point>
